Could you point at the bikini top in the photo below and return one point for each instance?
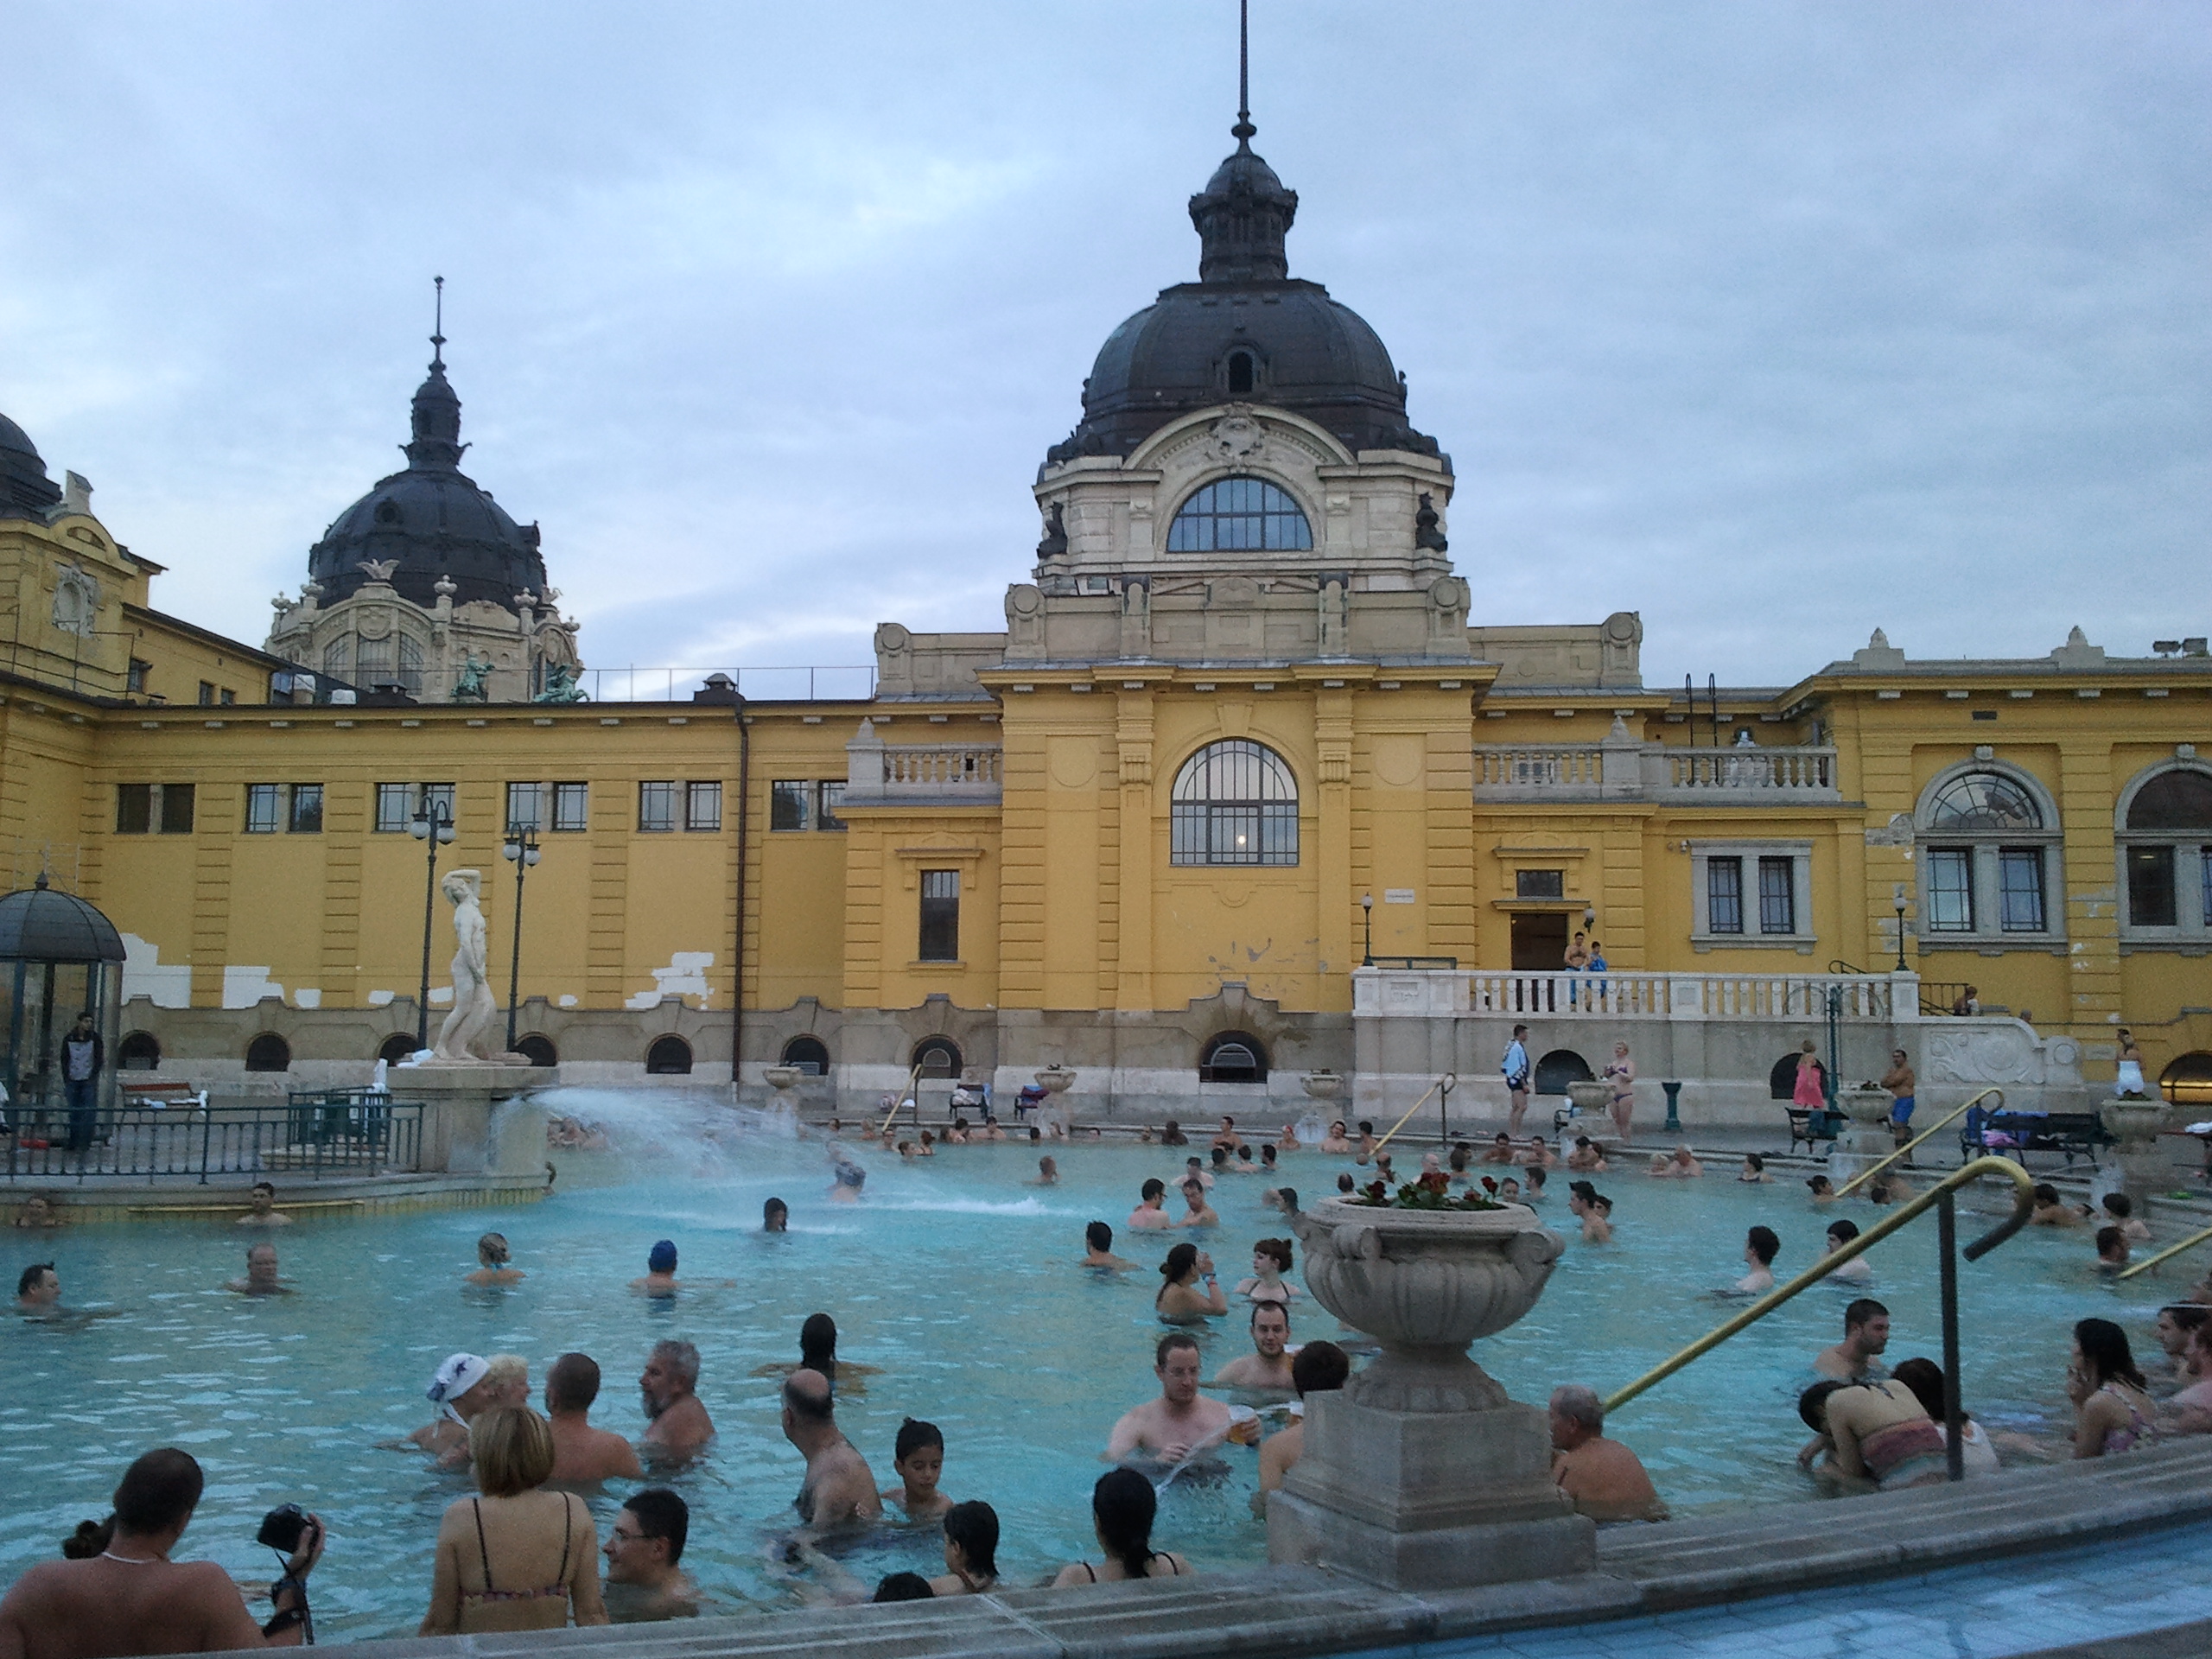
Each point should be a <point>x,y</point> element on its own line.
<point>1174,1571</point>
<point>558,1587</point>
<point>2140,1429</point>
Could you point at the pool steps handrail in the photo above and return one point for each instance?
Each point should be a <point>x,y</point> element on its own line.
<point>912,1091</point>
<point>2023,1203</point>
<point>2150,1261</point>
<point>1446,1081</point>
<point>1871,1170</point>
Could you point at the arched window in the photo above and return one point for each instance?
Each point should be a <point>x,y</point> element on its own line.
<point>1558,1069</point>
<point>936,1057</point>
<point>269,1052</point>
<point>2166,855</point>
<point>1987,849</point>
<point>1240,515</point>
<point>2188,1081</point>
<point>396,1047</point>
<point>1241,371</point>
<point>1233,1057</point>
<point>669,1057</point>
<point>1234,802</point>
<point>1782,1082</point>
<point>538,1049</point>
<point>809,1054</point>
<point>139,1051</point>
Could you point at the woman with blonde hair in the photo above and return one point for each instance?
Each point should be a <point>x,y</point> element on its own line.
<point>1810,1090</point>
<point>1620,1081</point>
<point>513,1558</point>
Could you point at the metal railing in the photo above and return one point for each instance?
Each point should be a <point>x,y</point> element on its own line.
<point>1955,1113</point>
<point>837,682</point>
<point>352,1133</point>
<point>1441,1088</point>
<point>1943,1198</point>
<point>2148,1263</point>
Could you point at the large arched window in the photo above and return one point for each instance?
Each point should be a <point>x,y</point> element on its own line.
<point>1233,1057</point>
<point>809,1054</point>
<point>1234,802</point>
<point>2165,855</point>
<point>1240,515</point>
<point>1987,847</point>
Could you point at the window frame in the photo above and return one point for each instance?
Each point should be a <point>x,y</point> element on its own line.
<point>788,798</point>
<point>381,823</point>
<point>1201,825</point>
<point>2188,859</point>
<point>305,800</point>
<point>937,933</point>
<point>828,797</point>
<point>1212,515</point>
<point>532,794</point>
<point>170,820</point>
<point>696,791</point>
<point>264,810</point>
<point>661,793</point>
<point>1727,920</point>
<point>1748,856</point>
<point>1990,857</point>
<point>134,809</point>
<point>568,793</point>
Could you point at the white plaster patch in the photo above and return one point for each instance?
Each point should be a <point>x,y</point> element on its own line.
<point>244,987</point>
<point>685,975</point>
<point>166,985</point>
<point>381,999</point>
<point>442,997</point>
<point>307,996</point>
<point>567,1002</point>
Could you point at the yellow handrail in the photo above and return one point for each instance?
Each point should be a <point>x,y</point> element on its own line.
<point>2191,1242</point>
<point>1448,1078</point>
<point>912,1091</point>
<point>1948,1117</point>
<point>2023,1202</point>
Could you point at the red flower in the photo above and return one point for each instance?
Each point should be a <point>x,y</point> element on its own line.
<point>1489,1187</point>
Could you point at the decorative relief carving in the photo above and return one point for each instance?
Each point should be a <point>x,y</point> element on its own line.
<point>1237,439</point>
<point>76,601</point>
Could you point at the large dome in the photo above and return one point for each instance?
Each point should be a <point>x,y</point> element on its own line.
<point>432,521</point>
<point>1245,332</point>
<point>25,490</point>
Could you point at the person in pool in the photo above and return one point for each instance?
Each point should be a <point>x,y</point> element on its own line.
<point>644,1583</point>
<point>775,1217</point>
<point>1149,1216</point>
<point>1271,1259</point>
<point>660,1278</point>
<point>1588,1158</point>
<point>1194,1169</point>
<point>1267,1367</point>
<point>1754,1170</point>
<point>971,1544</point>
<point>850,1177</point>
<point>1098,1249</point>
<point>1858,1270</point>
<point>458,1390</point>
<point>917,1458</point>
<point>1181,1421</point>
<point>1122,1507</point>
<point>1603,1479</point>
<point>491,1269</point>
<point>1761,1246</point>
<point>1594,1210</point>
<point>38,1291</point>
<point>264,1212</point>
<point>1858,1356</point>
<point>1822,1189</point>
<point>261,1278</point>
<point>582,1454</point>
<point>838,1489</point>
<point>1365,1150</point>
<point>1317,1368</point>
<point>1500,1150</point>
<point>1199,1213</point>
<point>1178,1299</point>
<point>1048,1174</point>
<point>677,1427</point>
<point>1336,1140</point>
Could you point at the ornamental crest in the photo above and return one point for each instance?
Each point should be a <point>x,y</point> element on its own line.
<point>76,601</point>
<point>1238,439</point>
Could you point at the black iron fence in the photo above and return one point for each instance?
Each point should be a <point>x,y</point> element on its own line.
<point>345,1132</point>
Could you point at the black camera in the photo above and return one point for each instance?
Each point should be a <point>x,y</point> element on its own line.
<point>282,1527</point>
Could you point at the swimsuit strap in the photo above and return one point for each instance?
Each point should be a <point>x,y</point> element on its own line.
<point>560,1580</point>
<point>483,1553</point>
<point>1089,1571</point>
<point>1173,1571</point>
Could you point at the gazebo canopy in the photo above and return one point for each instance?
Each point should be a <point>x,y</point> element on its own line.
<point>39,924</point>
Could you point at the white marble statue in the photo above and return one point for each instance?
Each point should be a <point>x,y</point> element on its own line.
<point>466,1037</point>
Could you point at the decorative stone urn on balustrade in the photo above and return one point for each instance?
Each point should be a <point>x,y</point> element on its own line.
<point>783,1088</point>
<point>1421,1474</point>
<point>1323,1084</point>
<point>2145,1167</point>
<point>1053,1110</point>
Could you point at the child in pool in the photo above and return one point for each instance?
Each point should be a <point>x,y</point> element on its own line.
<point>918,1455</point>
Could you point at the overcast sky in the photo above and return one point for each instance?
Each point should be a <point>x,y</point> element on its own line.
<point>1775,323</point>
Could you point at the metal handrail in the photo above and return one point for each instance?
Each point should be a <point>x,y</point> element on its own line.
<point>1871,1170</point>
<point>2023,1203</point>
<point>2188,1243</point>
<point>1445,1083</point>
<point>913,1091</point>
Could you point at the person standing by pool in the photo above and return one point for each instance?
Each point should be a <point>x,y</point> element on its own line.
<point>1516,1068</point>
<point>1178,1298</point>
<point>1899,1081</point>
<point>83,1057</point>
<point>514,1557</point>
<point>261,1278</point>
<point>1199,1213</point>
<point>676,1424</point>
<point>1149,1216</point>
<point>581,1454</point>
<point>1122,1507</point>
<point>838,1489</point>
<point>2112,1410</point>
<point>264,1213</point>
<point>1602,1478</point>
<point>1809,1090</point>
<point>1619,1078</point>
<point>660,1278</point>
<point>131,1598</point>
<point>1265,1367</point>
<point>1858,1356</point>
<point>491,1256</point>
<point>644,1583</point>
<point>1181,1421</point>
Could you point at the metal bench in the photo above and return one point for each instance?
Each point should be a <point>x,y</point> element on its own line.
<point>2016,1134</point>
<point>1812,1125</point>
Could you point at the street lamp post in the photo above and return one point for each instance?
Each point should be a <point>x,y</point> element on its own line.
<point>1896,897</point>
<point>432,826</point>
<point>1367,922</point>
<point>521,851</point>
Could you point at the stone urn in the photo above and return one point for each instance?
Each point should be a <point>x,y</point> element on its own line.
<point>1590,1096</point>
<point>782,1088</point>
<point>1324,1085</point>
<point>1867,1108</point>
<point>1056,1079</point>
<point>1421,1474</point>
<point>2144,1166</point>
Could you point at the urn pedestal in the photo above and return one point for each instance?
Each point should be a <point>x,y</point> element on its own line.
<point>2139,1162</point>
<point>1589,1099</point>
<point>1422,1474</point>
<point>1867,1139</point>
<point>783,1083</point>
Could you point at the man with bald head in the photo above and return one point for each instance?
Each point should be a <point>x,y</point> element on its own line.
<point>839,1489</point>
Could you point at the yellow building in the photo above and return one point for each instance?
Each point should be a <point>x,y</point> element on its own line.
<point>1136,833</point>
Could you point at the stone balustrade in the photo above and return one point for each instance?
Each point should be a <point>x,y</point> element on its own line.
<point>878,773</point>
<point>1794,998</point>
<point>1624,769</point>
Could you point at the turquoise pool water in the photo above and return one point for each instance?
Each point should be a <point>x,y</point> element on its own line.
<point>953,1276</point>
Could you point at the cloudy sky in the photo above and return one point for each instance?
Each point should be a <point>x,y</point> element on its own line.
<point>1773,322</point>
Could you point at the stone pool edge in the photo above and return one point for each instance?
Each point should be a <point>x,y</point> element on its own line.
<point>1774,1549</point>
<point>98,1199</point>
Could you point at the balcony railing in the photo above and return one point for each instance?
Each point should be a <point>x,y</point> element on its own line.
<point>1624,769</point>
<point>1613,995</point>
<point>357,1135</point>
<point>877,772</point>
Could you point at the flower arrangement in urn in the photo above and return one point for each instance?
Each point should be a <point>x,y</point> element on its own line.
<point>1432,1191</point>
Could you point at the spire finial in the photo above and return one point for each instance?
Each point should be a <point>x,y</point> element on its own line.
<point>1244,130</point>
<point>438,328</point>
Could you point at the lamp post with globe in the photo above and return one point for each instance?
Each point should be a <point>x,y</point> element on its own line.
<point>432,826</point>
<point>521,851</point>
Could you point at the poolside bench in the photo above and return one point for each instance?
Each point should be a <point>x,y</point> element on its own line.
<point>1813,1124</point>
<point>2016,1134</point>
<point>157,1095</point>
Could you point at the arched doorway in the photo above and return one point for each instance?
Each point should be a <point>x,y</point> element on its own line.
<point>139,1051</point>
<point>1233,1057</point>
<point>1782,1082</point>
<point>669,1057</point>
<point>809,1054</point>
<point>396,1047</point>
<point>1558,1069</point>
<point>269,1052</point>
<point>538,1049</point>
<point>2188,1081</point>
<point>935,1057</point>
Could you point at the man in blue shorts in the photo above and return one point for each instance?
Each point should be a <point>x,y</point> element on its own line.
<point>1516,1080</point>
<point>1900,1082</point>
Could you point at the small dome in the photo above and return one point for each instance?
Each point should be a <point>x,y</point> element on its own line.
<point>25,490</point>
<point>39,924</point>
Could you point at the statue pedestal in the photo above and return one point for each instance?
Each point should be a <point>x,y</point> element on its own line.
<point>459,1103</point>
<point>1427,1500</point>
<point>1868,1141</point>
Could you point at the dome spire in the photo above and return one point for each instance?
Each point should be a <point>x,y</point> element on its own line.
<point>437,444</point>
<point>1244,212</point>
<point>1243,131</point>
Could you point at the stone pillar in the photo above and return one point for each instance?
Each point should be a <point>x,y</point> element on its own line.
<point>463,1134</point>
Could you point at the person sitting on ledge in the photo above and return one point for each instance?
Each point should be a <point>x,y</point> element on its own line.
<point>838,1489</point>
<point>2051,1211</point>
<point>2112,1249</point>
<point>1500,1150</point>
<point>1098,1249</point>
<point>1761,1246</point>
<point>582,1454</point>
<point>1181,1421</point>
<point>957,1135</point>
<point>1317,1368</point>
<point>1226,1139</point>
<point>1149,1216</point>
<point>1858,1270</point>
<point>264,1213</point>
<point>1200,1213</point>
<point>491,1257</point>
<point>1178,1300</point>
<point>1680,1164</point>
<point>677,1427</point>
<point>2119,1211</point>
<point>1122,1507</point>
<point>131,1598</point>
<point>660,1278</point>
<point>1603,1479</point>
<point>644,1583</point>
<point>1858,1357</point>
<point>1336,1140</point>
<point>261,1278</point>
<point>1925,1378</point>
<point>1267,1368</point>
<point>1288,1140</point>
<point>1171,1135</point>
<point>1588,1158</point>
<point>1877,1432</point>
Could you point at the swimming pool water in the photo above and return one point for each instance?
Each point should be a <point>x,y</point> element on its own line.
<point>954,1277</point>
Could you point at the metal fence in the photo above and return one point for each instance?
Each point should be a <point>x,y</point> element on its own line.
<point>348,1132</point>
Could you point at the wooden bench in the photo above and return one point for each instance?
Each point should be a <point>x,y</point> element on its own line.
<point>2017,1134</point>
<point>1813,1124</point>
<point>157,1095</point>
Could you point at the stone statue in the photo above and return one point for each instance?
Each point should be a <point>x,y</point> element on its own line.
<point>470,687</point>
<point>377,569</point>
<point>465,1037</point>
<point>561,685</point>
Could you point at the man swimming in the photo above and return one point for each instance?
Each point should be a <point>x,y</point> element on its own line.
<point>660,1278</point>
<point>1181,1421</point>
<point>677,1424</point>
<point>1857,1358</point>
<point>1200,1213</point>
<point>38,1290</point>
<point>838,1489</point>
<point>1761,1246</point>
<point>644,1543</point>
<point>1267,1366</point>
<point>1098,1249</point>
<point>1858,1270</point>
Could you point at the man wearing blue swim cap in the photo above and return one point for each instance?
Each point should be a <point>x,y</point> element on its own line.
<point>660,1271</point>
